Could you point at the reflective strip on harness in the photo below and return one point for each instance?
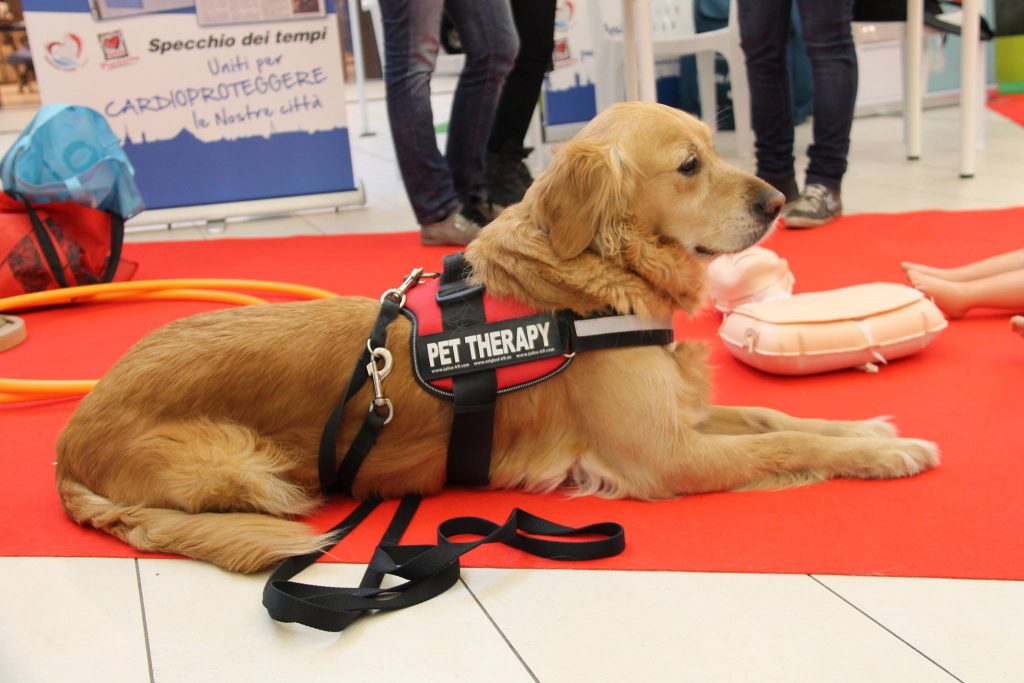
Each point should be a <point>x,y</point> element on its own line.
<point>618,324</point>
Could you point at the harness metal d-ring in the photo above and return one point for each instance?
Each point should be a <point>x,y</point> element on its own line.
<point>413,279</point>
<point>384,403</point>
<point>395,295</point>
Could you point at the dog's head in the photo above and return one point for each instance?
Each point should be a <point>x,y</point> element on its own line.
<point>650,168</point>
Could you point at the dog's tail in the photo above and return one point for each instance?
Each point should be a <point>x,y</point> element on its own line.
<point>236,541</point>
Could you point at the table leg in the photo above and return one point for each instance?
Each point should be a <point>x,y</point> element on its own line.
<point>645,52</point>
<point>629,42</point>
<point>970,93</point>
<point>914,88</point>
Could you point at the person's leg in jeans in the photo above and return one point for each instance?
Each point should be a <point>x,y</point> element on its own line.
<point>507,175</point>
<point>764,32</point>
<point>489,39</point>
<point>829,41</point>
<point>411,29</point>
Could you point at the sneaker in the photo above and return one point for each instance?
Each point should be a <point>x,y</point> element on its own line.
<point>507,176</point>
<point>817,205</point>
<point>455,230</point>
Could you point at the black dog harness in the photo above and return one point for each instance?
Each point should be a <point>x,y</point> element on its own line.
<point>468,348</point>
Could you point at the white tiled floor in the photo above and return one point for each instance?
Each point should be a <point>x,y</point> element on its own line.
<point>168,620</point>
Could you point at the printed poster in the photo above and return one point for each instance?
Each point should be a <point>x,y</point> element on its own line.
<point>207,114</point>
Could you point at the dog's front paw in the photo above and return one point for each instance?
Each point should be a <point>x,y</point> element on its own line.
<point>904,457</point>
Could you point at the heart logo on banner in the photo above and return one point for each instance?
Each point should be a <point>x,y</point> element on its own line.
<point>113,42</point>
<point>65,54</point>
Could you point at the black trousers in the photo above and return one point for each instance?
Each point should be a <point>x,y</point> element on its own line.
<point>535,24</point>
<point>764,28</point>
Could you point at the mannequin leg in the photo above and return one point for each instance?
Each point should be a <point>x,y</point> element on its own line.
<point>972,271</point>
<point>1005,290</point>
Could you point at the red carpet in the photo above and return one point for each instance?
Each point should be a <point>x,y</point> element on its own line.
<point>1010,106</point>
<point>965,519</point>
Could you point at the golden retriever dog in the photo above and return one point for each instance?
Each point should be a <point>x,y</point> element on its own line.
<point>203,439</point>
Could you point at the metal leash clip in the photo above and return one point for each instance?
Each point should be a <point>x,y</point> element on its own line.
<point>377,375</point>
<point>414,278</point>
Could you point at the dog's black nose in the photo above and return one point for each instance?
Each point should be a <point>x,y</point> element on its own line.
<point>770,203</point>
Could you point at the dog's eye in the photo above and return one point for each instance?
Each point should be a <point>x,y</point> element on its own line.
<point>690,166</point>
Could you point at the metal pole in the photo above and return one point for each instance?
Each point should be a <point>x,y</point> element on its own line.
<point>913,92</point>
<point>970,39</point>
<point>357,49</point>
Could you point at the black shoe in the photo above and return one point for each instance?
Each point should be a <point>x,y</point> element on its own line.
<point>481,211</point>
<point>786,186</point>
<point>507,176</point>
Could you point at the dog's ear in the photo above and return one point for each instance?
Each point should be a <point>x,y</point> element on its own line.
<point>583,197</point>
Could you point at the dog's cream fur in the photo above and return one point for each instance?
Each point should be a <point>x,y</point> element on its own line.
<point>206,433</point>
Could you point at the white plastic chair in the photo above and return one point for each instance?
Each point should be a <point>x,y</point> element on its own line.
<point>673,35</point>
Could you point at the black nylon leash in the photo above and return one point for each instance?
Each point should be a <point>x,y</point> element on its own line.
<point>340,480</point>
<point>429,570</point>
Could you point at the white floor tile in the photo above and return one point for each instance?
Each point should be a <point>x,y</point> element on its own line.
<point>70,619</point>
<point>666,626</point>
<point>865,196</point>
<point>209,625</point>
<point>974,629</point>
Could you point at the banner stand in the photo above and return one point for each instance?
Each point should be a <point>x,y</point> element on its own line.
<point>263,208</point>
<point>225,110</point>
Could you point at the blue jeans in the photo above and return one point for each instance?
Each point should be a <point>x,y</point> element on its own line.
<point>436,185</point>
<point>764,27</point>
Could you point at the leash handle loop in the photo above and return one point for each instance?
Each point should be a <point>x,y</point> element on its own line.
<point>429,570</point>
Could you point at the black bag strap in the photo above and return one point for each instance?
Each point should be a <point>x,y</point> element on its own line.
<point>45,244</point>
<point>116,243</point>
<point>429,570</point>
<point>52,257</point>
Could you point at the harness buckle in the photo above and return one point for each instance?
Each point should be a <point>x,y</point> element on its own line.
<point>377,375</point>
